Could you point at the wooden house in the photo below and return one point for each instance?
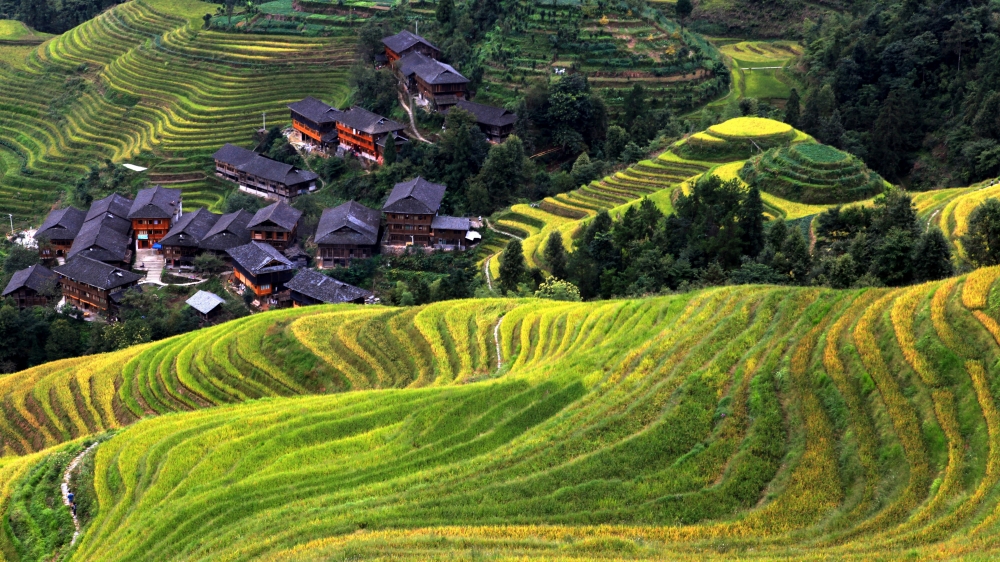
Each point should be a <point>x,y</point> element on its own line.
<point>309,287</point>
<point>104,238</point>
<point>183,242</point>
<point>93,285</point>
<point>433,82</point>
<point>34,286</point>
<point>347,232</point>
<point>228,232</point>
<point>262,176</point>
<point>152,214</point>
<point>410,210</point>
<point>404,43</point>
<point>113,212</point>
<point>495,122</point>
<point>450,233</point>
<point>276,225</point>
<point>261,268</point>
<point>58,230</point>
<point>316,122</point>
<point>367,134</point>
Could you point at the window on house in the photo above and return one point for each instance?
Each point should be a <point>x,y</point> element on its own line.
<point>265,287</point>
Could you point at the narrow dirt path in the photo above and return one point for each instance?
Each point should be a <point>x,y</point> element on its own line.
<point>490,226</point>
<point>413,122</point>
<point>486,272</point>
<point>65,488</point>
<point>496,339</point>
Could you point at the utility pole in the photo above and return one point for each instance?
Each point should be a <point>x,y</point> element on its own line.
<point>11,223</point>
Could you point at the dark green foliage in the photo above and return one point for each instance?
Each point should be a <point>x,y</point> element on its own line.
<point>503,175</point>
<point>54,16</point>
<point>750,219</point>
<point>237,200</point>
<point>982,241</point>
<point>555,255</point>
<point>792,108</point>
<point>103,181</point>
<point>374,90</point>
<point>513,269</point>
<point>444,9</point>
<point>932,256</point>
<point>683,9</point>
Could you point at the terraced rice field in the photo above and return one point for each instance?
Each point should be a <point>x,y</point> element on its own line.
<point>813,173</point>
<point>760,68</point>
<point>143,83</point>
<point>950,208</point>
<point>749,422</point>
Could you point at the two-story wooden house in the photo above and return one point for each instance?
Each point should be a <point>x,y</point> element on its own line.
<point>152,214</point>
<point>261,268</point>
<point>262,176</point>
<point>183,242</point>
<point>433,82</point>
<point>347,232</point>
<point>58,230</point>
<point>450,233</point>
<point>276,225</point>
<point>227,233</point>
<point>404,43</point>
<point>113,211</point>
<point>495,122</point>
<point>316,122</point>
<point>410,210</point>
<point>367,134</point>
<point>34,286</point>
<point>93,285</point>
<point>309,287</point>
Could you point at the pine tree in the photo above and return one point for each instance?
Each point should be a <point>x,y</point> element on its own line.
<point>792,109</point>
<point>751,221</point>
<point>512,266</point>
<point>555,255</point>
<point>932,256</point>
<point>683,9</point>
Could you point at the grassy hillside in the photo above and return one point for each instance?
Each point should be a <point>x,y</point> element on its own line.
<point>143,83</point>
<point>756,422</point>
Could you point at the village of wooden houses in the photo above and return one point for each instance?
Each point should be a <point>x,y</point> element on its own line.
<point>97,256</point>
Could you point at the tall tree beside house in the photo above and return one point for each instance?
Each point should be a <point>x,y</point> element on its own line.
<point>555,255</point>
<point>458,156</point>
<point>374,90</point>
<point>503,175</point>
<point>512,266</point>
<point>683,9</point>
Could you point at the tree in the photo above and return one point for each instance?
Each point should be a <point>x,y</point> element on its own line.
<point>583,170</point>
<point>207,18</point>
<point>558,290</point>
<point>555,255</point>
<point>615,142</point>
<point>444,11</point>
<point>796,261</point>
<point>512,266</point>
<point>502,175</point>
<point>63,342</point>
<point>892,261</point>
<point>792,108</point>
<point>374,90</point>
<point>751,221</point>
<point>240,200</point>
<point>683,9</point>
<point>982,240</point>
<point>932,257</point>
<point>388,155</point>
<point>844,272</point>
<point>208,263</point>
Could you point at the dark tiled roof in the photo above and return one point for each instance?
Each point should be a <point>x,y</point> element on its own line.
<point>229,231</point>
<point>363,120</point>
<point>397,140</point>
<point>155,203</point>
<point>190,228</point>
<point>430,70</point>
<point>35,278</point>
<point>117,296</point>
<point>325,289</point>
<point>100,240</point>
<point>96,273</point>
<point>405,40</point>
<point>254,164</point>
<point>61,224</point>
<point>315,110</point>
<point>487,114</point>
<point>350,223</point>
<point>234,155</point>
<point>260,258</point>
<point>450,223</point>
<point>280,214</point>
<point>415,196</point>
<point>112,204</point>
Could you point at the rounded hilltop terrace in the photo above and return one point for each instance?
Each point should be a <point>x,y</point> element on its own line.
<point>812,173</point>
<point>739,138</point>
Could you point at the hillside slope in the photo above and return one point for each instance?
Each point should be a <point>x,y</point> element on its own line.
<point>143,83</point>
<point>753,421</point>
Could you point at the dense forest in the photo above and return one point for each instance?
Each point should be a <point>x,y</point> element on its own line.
<point>53,16</point>
<point>913,87</point>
